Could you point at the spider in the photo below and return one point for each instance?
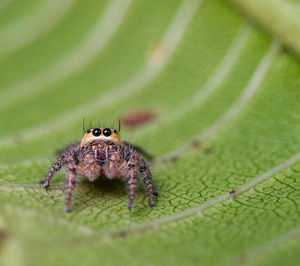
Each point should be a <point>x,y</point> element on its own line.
<point>101,152</point>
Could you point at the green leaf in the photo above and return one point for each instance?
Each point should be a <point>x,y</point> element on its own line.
<point>225,133</point>
<point>281,19</point>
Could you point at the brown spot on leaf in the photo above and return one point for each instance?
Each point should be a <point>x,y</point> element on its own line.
<point>232,192</point>
<point>121,233</point>
<point>3,235</point>
<point>174,158</point>
<point>156,53</point>
<point>138,118</point>
<point>229,222</point>
<point>208,150</point>
<point>196,143</point>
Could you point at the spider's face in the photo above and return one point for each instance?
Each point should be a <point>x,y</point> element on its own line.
<point>105,134</point>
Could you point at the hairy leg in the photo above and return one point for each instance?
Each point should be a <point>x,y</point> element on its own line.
<point>67,148</point>
<point>132,180</point>
<point>54,168</point>
<point>147,180</point>
<point>70,184</point>
<point>139,150</point>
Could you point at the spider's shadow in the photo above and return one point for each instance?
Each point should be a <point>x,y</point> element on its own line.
<point>104,185</point>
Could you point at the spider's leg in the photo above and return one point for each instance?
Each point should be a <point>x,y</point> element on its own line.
<point>147,180</point>
<point>54,168</point>
<point>70,184</point>
<point>62,150</point>
<point>140,150</point>
<point>132,180</point>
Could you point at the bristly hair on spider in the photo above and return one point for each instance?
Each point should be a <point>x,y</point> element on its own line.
<point>102,153</point>
<point>83,125</point>
<point>91,125</point>
<point>119,126</point>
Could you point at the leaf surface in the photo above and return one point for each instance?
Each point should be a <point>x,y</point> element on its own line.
<point>225,135</point>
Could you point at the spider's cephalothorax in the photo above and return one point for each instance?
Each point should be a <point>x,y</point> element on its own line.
<point>101,152</point>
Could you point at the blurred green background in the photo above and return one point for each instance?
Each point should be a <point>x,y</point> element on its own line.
<point>217,83</point>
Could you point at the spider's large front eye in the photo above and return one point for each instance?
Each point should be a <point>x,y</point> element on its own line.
<point>106,132</point>
<point>97,132</point>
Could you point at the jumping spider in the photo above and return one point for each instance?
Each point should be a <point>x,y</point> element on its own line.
<point>101,152</point>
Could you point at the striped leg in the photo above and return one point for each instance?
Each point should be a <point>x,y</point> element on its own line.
<point>147,180</point>
<point>54,168</point>
<point>132,181</point>
<point>70,184</point>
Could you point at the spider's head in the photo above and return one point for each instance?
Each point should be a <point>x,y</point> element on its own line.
<point>101,134</point>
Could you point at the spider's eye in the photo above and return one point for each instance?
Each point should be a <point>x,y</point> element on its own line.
<point>96,132</point>
<point>115,131</point>
<point>106,132</point>
<point>89,131</point>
